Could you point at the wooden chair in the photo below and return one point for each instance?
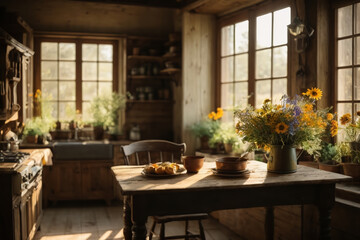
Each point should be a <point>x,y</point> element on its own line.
<point>159,151</point>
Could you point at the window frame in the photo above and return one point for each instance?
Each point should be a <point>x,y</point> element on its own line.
<point>78,40</point>
<point>250,14</point>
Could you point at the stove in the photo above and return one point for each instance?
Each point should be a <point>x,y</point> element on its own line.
<point>13,157</point>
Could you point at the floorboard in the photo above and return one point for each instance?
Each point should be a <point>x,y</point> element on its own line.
<point>96,220</point>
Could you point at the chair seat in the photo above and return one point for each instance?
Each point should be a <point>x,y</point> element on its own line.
<point>184,217</point>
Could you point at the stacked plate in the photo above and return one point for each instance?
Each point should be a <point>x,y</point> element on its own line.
<point>231,173</point>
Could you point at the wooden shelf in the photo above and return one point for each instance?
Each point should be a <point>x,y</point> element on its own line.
<point>146,58</point>
<point>171,70</point>
<point>148,77</point>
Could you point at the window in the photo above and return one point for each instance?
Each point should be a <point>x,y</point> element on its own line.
<point>347,61</point>
<point>73,72</point>
<point>261,66</point>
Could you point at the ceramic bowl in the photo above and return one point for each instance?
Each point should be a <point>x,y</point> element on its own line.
<point>193,163</point>
<point>231,164</point>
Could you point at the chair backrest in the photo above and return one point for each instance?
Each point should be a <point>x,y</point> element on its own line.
<point>173,151</point>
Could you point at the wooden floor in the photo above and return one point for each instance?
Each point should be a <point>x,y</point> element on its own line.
<point>96,220</point>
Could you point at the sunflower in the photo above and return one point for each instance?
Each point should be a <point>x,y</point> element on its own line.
<point>329,116</point>
<point>212,115</point>
<point>314,93</point>
<point>333,128</point>
<point>346,118</point>
<point>281,128</point>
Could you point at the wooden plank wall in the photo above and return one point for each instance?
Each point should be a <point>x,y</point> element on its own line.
<point>198,74</point>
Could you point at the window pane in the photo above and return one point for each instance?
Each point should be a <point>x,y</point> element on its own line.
<point>67,70</point>
<point>89,52</point>
<point>357,20</point>
<point>263,31</point>
<point>227,95</point>
<point>345,52</point>
<point>281,20</point>
<point>263,64</point>
<point>49,51</point>
<point>67,51</point>
<point>262,92</point>
<point>344,84</point>
<point>227,40</point>
<point>105,71</point>
<point>50,88</point>
<point>89,90</point>
<point>67,111</point>
<point>279,89</point>
<point>241,94</point>
<point>105,52</point>
<point>105,88</point>
<point>280,62</point>
<point>345,21</point>
<point>54,108</point>
<point>357,49</point>
<point>241,67</point>
<point>49,70</point>
<point>67,90</point>
<point>357,84</point>
<point>227,69</point>
<point>89,71</point>
<point>242,37</point>
<point>86,115</point>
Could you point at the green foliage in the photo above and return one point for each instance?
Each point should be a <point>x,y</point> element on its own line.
<point>36,126</point>
<point>343,149</point>
<point>205,128</point>
<point>106,110</point>
<point>329,153</point>
<point>225,133</point>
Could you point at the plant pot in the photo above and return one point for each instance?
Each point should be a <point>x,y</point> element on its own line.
<point>282,159</point>
<point>330,167</point>
<point>228,147</point>
<point>98,132</point>
<point>346,159</point>
<point>31,139</point>
<point>352,170</point>
<point>309,164</point>
<point>204,142</point>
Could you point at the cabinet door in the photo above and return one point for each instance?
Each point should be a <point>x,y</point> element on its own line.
<point>97,180</point>
<point>65,181</point>
<point>17,221</point>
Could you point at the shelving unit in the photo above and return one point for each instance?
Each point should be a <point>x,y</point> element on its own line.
<point>151,86</point>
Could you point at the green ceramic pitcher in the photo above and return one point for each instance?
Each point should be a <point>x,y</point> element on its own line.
<point>282,159</point>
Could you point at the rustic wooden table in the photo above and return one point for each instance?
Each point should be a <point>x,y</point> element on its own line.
<point>206,192</point>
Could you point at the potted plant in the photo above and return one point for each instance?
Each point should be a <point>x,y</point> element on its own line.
<point>106,113</point>
<point>226,135</point>
<point>329,158</point>
<point>294,123</point>
<point>205,129</point>
<point>35,129</point>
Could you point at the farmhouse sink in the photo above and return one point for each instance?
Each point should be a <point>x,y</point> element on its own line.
<point>88,150</point>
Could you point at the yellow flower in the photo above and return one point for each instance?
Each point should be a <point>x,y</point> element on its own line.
<point>267,148</point>
<point>333,128</point>
<point>314,93</point>
<point>308,107</point>
<point>346,118</point>
<point>281,128</point>
<point>329,116</point>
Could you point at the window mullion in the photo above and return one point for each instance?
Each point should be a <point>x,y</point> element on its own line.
<point>251,59</point>
<point>78,79</point>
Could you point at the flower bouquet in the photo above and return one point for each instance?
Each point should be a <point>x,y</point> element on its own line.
<point>280,128</point>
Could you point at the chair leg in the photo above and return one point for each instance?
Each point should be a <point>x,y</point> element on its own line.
<point>202,233</point>
<point>152,230</point>
<point>186,229</point>
<point>162,231</point>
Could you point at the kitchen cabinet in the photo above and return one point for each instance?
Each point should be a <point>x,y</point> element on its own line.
<point>78,180</point>
<point>151,74</point>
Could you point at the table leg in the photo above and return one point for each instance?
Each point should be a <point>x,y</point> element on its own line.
<point>139,229</point>
<point>325,204</point>
<point>269,223</point>
<point>127,219</point>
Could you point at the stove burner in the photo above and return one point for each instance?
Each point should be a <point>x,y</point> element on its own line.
<point>15,157</point>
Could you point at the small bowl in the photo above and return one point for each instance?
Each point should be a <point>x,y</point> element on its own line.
<point>231,164</point>
<point>193,163</point>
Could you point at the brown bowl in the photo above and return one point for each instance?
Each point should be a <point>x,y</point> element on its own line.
<point>193,163</point>
<point>231,164</point>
